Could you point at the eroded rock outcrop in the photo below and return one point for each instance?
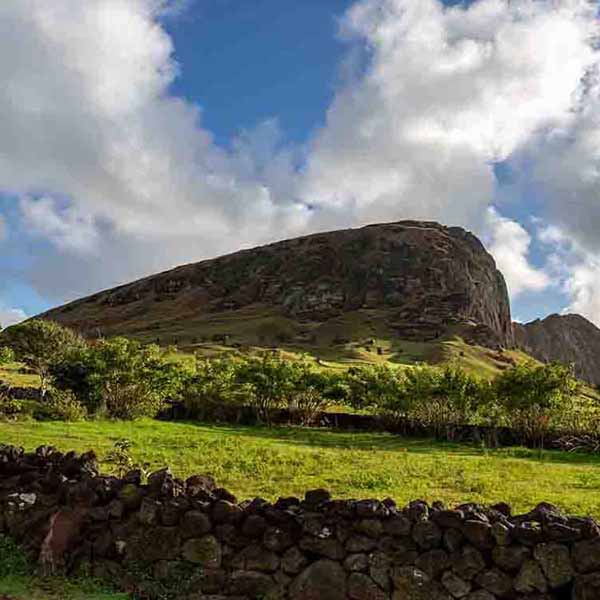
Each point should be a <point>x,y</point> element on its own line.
<point>418,277</point>
<point>570,339</point>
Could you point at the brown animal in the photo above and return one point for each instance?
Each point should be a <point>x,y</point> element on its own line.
<point>64,528</point>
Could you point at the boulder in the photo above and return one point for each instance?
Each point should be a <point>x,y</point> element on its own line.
<point>322,579</point>
<point>555,560</point>
<point>205,551</point>
<point>362,587</point>
<point>531,578</point>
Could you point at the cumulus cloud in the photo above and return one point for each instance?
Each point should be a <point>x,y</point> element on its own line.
<point>100,153</point>
<point>64,227</point>
<point>123,179</point>
<point>577,270</point>
<point>509,243</point>
<point>446,92</point>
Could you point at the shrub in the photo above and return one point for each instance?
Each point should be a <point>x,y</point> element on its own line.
<point>75,373</point>
<point>13,560</point>
<point>120,378</point>
<point>269,383</point>
<point>314,392</point>
<point>62,405</point>
<point>535,397</point>
<point>10,408</point>
<point>445,399</point>
<point>7,355</point>
<point>212,386</point>
<point>122,459</point>
<point>379,389</point>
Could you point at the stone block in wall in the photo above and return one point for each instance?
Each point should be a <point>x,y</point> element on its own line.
<point>322,579</point>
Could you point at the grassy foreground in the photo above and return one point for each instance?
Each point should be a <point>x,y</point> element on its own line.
<point>18,581</point>
<point>255,461</point>
<point>25,587</point>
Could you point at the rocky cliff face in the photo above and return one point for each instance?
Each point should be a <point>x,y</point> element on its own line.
<point>423,276</point>
<point>565,338</point>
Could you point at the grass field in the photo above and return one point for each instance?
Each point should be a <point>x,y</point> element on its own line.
<point>15,374</point>
<point>253,461</point>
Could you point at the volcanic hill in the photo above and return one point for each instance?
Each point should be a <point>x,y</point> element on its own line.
<point>564,338</point>
<point>407,280</point>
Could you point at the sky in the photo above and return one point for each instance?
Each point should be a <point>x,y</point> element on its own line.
<point>136,135</point>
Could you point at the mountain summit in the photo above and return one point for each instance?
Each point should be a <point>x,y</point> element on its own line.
<point>565,338</point>
<point>415,280</point>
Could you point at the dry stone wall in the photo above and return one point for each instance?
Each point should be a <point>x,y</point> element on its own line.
<point>192,540</point>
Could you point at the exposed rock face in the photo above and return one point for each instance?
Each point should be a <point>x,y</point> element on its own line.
<point>565,338</point>
<point>423,275</point>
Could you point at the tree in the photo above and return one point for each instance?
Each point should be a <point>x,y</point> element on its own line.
<point>445,398</point>
<point>120,377</point>
<point>6,355</point>
<point>534,396</point>
<point>212,385</point>
<point>130,380</point>
<point>40,344</point>
<point>314,391</point>
<point>378,388</point>
<point>270,382</point>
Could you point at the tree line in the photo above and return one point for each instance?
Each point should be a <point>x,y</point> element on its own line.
<point>124,379</point>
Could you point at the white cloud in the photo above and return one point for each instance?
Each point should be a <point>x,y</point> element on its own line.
<point>64,227</point>
<point>11,316</point>
<point>123,179</point>
<point>583,287</point>
<point>575,268</point>
<point>3,229</point>
<point>446,91</point>
<point>509,244</point>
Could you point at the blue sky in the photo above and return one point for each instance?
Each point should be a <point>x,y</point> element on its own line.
<point>138,139</point>
<point>245,62</point>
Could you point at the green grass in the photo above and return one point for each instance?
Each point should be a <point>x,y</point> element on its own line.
<point>25,587</point>
<point>17,579</point>
<point>15,374</point>
<point>254,461</point>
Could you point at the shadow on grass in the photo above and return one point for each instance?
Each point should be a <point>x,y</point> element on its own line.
<point>388,442</point>
<point>166,433</point>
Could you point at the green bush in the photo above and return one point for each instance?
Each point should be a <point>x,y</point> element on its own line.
<point>10,408</point>
<point>314,392</point>
<point>212,386</point>
<point>61,405</point>
<point>7,355</point>
<point>120,378</point>
<point>269,383</point>
<point>535,397</point>
<point>444,398</point>
<point>378,389</point>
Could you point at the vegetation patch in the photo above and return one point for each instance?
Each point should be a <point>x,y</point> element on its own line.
<point>19,581</point>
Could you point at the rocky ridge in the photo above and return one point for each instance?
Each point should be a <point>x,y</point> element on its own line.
<point>570,339</point>
<point>191,540</point>
<point>420,277</point>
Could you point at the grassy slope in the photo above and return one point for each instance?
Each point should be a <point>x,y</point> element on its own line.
<point>288,461</point>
